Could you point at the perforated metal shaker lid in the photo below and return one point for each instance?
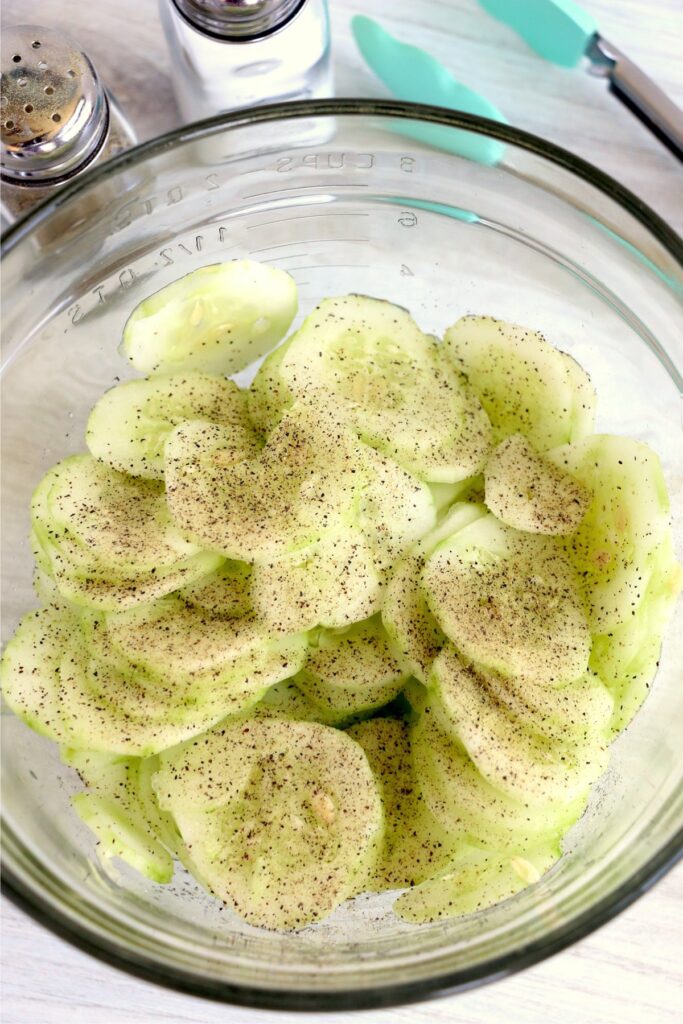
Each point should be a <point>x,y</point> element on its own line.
<point>238,19</point>
<point>53,108</point>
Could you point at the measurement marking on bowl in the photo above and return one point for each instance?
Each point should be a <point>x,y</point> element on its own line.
<point>307,216</point>
<point>330,266</point>
<point>285,256</point>
<point>283,245</point>
<point>321,186</point>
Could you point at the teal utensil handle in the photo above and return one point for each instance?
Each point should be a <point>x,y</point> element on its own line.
<point>558,30</point>
<point>562,32</point>
<point>414,75</point>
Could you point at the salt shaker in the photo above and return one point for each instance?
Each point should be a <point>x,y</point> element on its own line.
<point>227,54</point>
<point>56,117</point>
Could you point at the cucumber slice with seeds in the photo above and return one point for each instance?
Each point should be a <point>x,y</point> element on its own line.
<point>30,670</point>
<point>129,426</point>
<point>305,482</point>
<point>225,592</point>
<point>577,710</point>
<point>121,521</point>
<point>509,601</point>
<point>387,378</point>
<point>415,846</point>
<point>624,524</point>
<point>352,671</point>
<point>463,801</point>
<point>219,318</point>
<point>513,758</point>
<point>182,644</point>
<point>135,713</point>
<point>334,584</point>
<point>524,384</point>
<point>627,657</point>
<point>396,508</point>
<point>405,612</point>
<point>283,819</point>
<point>116,593</point>
<point>528,492</point>
<point>474,881</point>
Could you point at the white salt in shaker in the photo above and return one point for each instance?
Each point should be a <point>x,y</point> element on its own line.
<point>227,54</point>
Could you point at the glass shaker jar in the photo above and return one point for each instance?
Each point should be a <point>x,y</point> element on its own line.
<point>57,117</point>
<point>227,54</point>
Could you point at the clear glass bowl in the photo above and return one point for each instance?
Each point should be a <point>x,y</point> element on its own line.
<point>346,197</point>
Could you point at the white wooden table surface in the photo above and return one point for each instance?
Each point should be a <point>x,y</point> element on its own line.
<point>631,971</point>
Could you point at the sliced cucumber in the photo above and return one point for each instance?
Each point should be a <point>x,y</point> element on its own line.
<point>352,671</point>
<point>85,580</point>
<point>232,578</point>
<point>415,846</point>
<point>283,819</point>
<point>334,584</point>
<point>575,711</point>
<point>509,601</point>
<point>405,612</point>
<point>132,712</point>
<point>121,521</point>
<point>463,801</point>
<point>127,781</point>
<point>269,396</point>
<point>129,426</point>
<point>613,652</point>
<point>46,589</point>
<point>445,495</point>
<point>627,657</point>
<point>527,491</point>
<point>29,670</point>
<point>396,508</point>
<point>474,881</point>
<point>219,318</point>
<point>119,836</point>
<point>387,378</point>
<point>117,593</point>
<point>525,385</point>
<point>521,762</point>
<point>625,522</point>
<point>184,644</point>
<point>286,700</point>
<point>585,399</point>
<point>225,592</point>
<point>305,483</point>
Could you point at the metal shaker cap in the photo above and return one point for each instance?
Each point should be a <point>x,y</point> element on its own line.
<point>53,108</point>
<point>238,19</point>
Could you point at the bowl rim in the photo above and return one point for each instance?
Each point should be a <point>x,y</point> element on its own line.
<point>449,982</point>
<point>657,226</point>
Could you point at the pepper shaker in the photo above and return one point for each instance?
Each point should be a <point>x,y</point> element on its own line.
<point>228,54</point>
<point>56,117</point>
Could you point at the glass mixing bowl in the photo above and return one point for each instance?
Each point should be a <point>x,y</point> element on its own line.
<point>346,196</point>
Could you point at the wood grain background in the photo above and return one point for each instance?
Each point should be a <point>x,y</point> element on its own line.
<point>630,971</point>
